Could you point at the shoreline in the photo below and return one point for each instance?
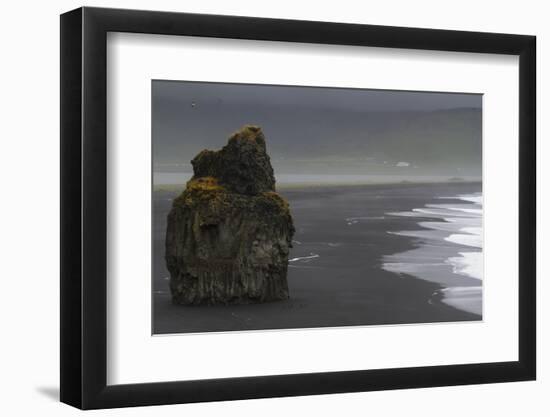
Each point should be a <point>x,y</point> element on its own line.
<point>344,284</point>
<point>450,250</point>
<point>306,185</point>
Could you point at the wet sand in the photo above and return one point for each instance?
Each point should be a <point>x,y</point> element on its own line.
<point>337,280</point>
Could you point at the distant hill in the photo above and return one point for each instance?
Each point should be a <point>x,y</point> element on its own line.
<point>303,140</point>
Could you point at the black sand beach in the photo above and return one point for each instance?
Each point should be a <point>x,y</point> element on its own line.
<point>335,276</point>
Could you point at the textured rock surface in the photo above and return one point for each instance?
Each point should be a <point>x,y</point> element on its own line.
<point>229,233</point>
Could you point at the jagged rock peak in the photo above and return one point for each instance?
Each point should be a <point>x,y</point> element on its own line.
<point>242,166</point>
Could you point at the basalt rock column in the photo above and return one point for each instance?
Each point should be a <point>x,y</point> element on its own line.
<point>229,233</point>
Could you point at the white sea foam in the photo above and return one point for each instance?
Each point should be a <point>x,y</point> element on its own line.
<point>304,258</point>
<point>465,239</point>
<point>449,224</point>
<point>444,227</point>
<point>468,263</point>
<point>350,221</point>
<point>464,298</point>
<point>476,198</point>
<point>461,208</point>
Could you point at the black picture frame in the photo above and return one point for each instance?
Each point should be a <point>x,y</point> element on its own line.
<point>84,207</point>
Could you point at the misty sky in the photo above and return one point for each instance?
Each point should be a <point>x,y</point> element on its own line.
<point>314,130</point>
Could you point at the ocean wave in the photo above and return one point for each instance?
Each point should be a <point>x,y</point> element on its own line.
<point>464,298</point>
<point>408,267</point>
<point>442,226</point>
<point>462,208</point>
<point>354,220</point>
<point>476,198</point>
<point>468,263</point>
<point>443,211</point>
<point>475,241</point>
<point>445,230</point>
<point>304,258</point>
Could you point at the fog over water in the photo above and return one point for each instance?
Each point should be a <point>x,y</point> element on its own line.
<point>322,131</point>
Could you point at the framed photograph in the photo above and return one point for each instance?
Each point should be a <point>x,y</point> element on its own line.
<point>256,208</point>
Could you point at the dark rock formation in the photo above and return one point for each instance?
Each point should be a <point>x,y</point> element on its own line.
<point>229,233</point>
<point>242,166</point>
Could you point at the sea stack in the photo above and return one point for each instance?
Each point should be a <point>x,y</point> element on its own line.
<point>229,233</point>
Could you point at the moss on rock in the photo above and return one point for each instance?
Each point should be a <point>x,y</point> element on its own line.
<point>229,233</point>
